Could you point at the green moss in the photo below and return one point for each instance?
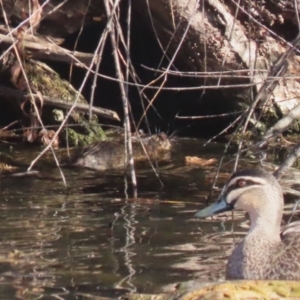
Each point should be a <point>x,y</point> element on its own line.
<point>49,83</point>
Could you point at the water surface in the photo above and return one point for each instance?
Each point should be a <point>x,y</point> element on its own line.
<point>92,240</point>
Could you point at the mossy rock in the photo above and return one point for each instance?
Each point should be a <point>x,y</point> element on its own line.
<point>237,290</point>
<point>82,131</point>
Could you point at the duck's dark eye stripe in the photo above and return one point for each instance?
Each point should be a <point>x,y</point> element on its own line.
<point>247,182</point>
<point>237,184</point>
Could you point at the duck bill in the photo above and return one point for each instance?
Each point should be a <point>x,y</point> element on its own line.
<point>218,207</point>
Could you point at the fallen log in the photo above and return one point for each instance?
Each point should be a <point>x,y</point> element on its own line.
<point>19,95</point>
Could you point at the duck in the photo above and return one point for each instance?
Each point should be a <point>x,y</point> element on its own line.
<point>267,252</point>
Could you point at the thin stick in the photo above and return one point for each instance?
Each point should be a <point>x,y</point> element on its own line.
<point>119,75</point>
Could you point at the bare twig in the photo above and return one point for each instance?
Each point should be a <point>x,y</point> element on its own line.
<point>278,69</point>
<point>19,95</point>
<point>41,49</point>
<point>110,13</point>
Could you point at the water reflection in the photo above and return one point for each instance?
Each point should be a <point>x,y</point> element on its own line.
<point>89,240</point>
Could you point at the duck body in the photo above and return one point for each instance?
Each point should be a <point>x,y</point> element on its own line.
<point>256,257</point>
<point>265,252</point>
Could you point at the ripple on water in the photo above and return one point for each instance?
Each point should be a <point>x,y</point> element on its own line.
<point>92,241</point>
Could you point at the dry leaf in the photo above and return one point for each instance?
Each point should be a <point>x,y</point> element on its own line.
<point>194,160</point>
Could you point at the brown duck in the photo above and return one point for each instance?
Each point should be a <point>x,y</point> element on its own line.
<point>267,252</point>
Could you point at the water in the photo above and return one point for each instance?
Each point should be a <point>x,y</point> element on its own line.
<point>89,240</point>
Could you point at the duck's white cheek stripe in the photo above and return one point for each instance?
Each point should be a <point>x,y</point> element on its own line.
<point>235,194</point>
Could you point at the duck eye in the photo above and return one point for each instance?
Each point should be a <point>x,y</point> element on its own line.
<point>241,183</point>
